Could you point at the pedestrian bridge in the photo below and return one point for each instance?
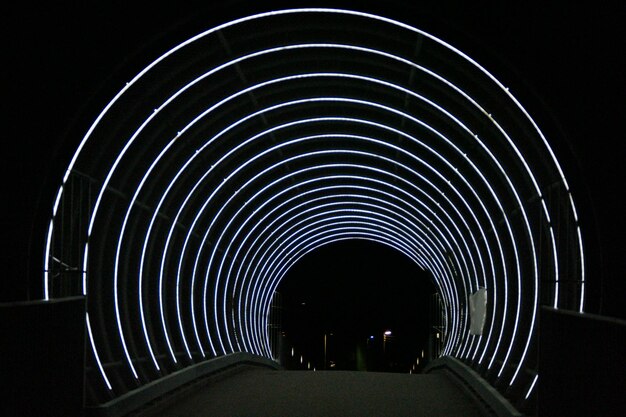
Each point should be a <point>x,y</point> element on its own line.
<point>238,151</point>
<point>244,385</point>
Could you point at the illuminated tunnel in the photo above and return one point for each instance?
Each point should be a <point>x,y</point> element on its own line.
<point>242,149</point>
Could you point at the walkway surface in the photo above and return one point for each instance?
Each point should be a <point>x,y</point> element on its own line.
<point>261,392</point>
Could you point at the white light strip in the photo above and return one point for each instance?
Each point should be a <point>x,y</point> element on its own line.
<point>224,205</point>
<point>300,197</point>
<point>532,386</point>
<point>168,187</point>
<point>48,245</point>
<point>206,203</point>
<point>310,234</point>
<point>46,265</point>
<point>556,270</point>
<point>582,270</point>
<point>95,353</point>
<point>332,179</point>
<point>258,175</point>
<point>365,216</point>
<point>85,261</point>
<point>225,253</point>
<point>144,177</point>
<point>335,237</point>
<point>255,245</point>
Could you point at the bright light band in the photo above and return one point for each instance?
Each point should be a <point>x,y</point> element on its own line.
<point>214,189</point>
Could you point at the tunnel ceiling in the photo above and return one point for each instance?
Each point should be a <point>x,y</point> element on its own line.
<point>239,151</point>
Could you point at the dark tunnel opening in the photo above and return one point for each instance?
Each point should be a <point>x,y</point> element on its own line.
<point>355,305</point>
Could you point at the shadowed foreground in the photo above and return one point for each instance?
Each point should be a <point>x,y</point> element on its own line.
<point>260,392</point>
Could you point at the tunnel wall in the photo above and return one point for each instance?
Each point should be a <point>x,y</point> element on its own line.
<point>235,153</point>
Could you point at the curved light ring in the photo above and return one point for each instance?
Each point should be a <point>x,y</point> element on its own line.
<point>532,386</point>
<point>419,243</point>
<point>258,135</point>
<point>388,224</point>
<point>256,113</point>
<point>302,237</point>
<point>248,323</point>
<point>233,217</point>
<point>388,109</point>
<point>331,11</point>
<point>46,261</point>
<point>293,245</point>
<point>308,202</point>
<point>132,139</point>
<point>556,283</point>
<point>333,238</point>
<point>318,45</point>
<point>380,126</point>
<point>200,212</point>
<point>162,153</point>
<point>361,236</point>
<point>582,269</point>
<point>214,220</point>
<point>283,162</point>
<point>365,236</point>
<point>301,196</point>
<point>106,183</point>
<point>543,202</point>
<point>236,256</point>
<point>253,245</point>
<point>95,352</point>
<point>343,236</point>
<point>257,245</point>
<point>398,149</point>
<point>310,10</point>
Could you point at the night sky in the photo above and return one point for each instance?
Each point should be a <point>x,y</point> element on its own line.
<point>564,62</point>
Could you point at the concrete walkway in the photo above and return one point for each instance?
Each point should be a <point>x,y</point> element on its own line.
<point>260,392</point>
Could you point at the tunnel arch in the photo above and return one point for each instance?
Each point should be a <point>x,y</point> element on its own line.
<point>228,157</point>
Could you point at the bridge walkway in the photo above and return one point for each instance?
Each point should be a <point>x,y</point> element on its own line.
<point>252,391</point>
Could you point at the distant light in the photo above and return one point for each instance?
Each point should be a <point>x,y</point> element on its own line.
<point>371,337</point>
<point>301,359</point>
<point>388,333</point>
<point>303,303</point>
<point>437,335</point>
<point>422,353</point>
<point>292,352</point>
<point>418,361</point>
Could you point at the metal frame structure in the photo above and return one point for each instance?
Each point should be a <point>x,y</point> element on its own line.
<point>242,149</point>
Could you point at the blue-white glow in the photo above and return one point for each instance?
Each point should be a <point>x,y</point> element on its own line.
<point>532,386</point>
<point>95,352</point>
<point>273,265</point>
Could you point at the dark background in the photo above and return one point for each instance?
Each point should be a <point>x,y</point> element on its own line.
<point>63,61</point>
<point>350,293</point>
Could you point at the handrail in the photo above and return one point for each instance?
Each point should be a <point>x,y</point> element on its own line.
<point>137,398</point>
<point>492,402</point>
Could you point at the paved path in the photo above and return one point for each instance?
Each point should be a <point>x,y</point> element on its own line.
<point>260,392</point>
